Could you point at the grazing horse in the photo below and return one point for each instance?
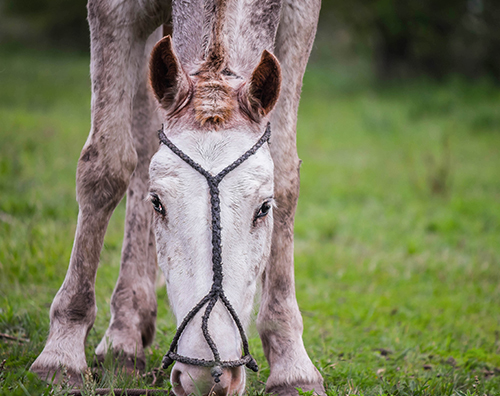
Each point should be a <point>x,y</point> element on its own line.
<point>224,199</point>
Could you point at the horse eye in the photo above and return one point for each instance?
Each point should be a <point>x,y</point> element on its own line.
<point>157,205</point>
<point>264,210</point>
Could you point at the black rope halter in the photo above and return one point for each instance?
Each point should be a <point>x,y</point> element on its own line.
<point>216,292</point>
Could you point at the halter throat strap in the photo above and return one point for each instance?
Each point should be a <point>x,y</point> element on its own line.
<point>216,292</point>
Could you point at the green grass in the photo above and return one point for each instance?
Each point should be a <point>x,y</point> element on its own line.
<point>397,230</point>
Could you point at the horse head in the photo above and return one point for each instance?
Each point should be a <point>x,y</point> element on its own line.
<point>211,186</point>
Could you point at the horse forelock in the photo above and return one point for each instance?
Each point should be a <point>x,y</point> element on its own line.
<point>214,101</point>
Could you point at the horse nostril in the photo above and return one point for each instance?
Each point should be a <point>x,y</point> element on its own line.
<point>191,380</point>
<point>175,379</point>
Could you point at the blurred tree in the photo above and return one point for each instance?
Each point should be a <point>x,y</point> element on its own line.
<point>405,38</point>
<point>424,36</point>
<point>57,23</point>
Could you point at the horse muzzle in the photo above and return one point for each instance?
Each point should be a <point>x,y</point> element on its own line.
<point>188,379</point>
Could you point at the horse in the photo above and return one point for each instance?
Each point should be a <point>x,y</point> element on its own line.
<point>212,203</point>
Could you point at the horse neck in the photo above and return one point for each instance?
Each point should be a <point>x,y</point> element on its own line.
<point>241,29</point>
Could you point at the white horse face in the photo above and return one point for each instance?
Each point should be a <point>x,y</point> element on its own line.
<point>182,222</point>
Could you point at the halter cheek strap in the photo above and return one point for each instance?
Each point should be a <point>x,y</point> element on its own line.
<point>216,292</point>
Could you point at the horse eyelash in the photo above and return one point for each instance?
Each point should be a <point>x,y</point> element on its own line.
<point>150,198</point>
<point>270,201</point>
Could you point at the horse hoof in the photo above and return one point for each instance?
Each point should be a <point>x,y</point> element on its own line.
<point>131,365</point>
<point>59,375</point>
<point>292,390</point>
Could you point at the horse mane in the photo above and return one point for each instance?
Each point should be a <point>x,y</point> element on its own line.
<point>213,97</point>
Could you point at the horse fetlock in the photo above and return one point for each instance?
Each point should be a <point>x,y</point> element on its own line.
<point>289,363</point>
<point>131,328</point>
<point>134,309</point>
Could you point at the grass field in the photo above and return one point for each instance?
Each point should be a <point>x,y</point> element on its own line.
<point>397,230</point>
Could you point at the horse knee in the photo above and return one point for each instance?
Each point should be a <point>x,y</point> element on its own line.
<point>103,175</point>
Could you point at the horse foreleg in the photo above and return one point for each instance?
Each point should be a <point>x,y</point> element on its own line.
<point>106,164</point>
<point>133,304</point>
<point>279,321</point>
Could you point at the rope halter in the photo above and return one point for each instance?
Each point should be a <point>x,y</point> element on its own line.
<point>216,292</point>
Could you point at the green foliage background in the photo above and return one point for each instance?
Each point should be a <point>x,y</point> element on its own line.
<point>399,38</point>
<point>422,37</point>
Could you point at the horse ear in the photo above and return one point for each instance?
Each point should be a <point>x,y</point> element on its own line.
<point>171,85</point>
<point>265,83</point>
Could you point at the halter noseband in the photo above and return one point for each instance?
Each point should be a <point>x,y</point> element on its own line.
<point>216,292</point>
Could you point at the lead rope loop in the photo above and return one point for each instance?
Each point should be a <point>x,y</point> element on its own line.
<point>216,292</point>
